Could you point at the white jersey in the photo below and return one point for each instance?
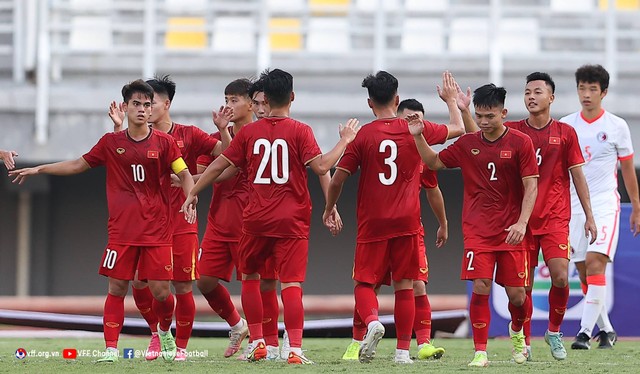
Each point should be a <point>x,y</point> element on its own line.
<point>603,141</point>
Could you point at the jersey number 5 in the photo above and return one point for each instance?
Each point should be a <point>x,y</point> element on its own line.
<point>393,154</point>
<point>271,152</point>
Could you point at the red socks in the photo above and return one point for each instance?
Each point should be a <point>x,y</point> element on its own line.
<point>164,311</point>
<point>144,301</point>
<point>270,317</point>
<point>185,314</point>
<point>359,328</point>
<point>527,324</point>
<point>558,298</point>
<point>480,316</point>
<point>113,318</point>
<point>252,306</point>
<point>366,302</point>
<point>422,321</point>
<point>404,315</point>
<point>293,314</point>
<point>220,301</point>
<point>519,313</point>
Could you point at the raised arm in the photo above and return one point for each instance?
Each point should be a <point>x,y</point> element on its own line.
<point>116,113</point>
<point>70,167</point>
<point>464,104</point>
<point>221,119</point>
<point>321,165</point>
<point>7,158</point>
<point>448,93</point>
<point>580,182</point>
<point>436,202</point>
<point>631,185</point>
<point>518,230</point>
<point>428,155</point>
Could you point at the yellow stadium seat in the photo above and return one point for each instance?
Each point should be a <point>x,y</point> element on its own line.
<point>621,4</point>
<point>284,34</point>
<point>325,7</point>
<point>186,33</point>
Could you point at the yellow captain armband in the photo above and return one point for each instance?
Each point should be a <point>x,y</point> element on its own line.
<point>178,165</point>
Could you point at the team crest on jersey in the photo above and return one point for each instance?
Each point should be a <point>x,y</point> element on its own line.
<point>120,150</point>
<point>475,151</point>
<point>505,154</point>
<point>180,143</point>
<point>152,154</point>
<point>554,140</point>
<point>602,136</point>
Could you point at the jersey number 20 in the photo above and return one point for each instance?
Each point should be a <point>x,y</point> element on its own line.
<point>271,152</point>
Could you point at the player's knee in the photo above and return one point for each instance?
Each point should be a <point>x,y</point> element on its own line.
<point>482,286</point>
<point>268,285</point>
<point>517,298</point>
<point>207,284</point>
<point>419,288</point>
<point>560,281</point>
<point>139,284</point>
<point>182,287</point>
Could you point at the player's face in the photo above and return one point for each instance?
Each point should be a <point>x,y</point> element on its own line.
<point>159,108</point>
<point>241,106</point>
<point>138,109</point>
<point>260,107</point>
<point>489,120</point>
<point>590,95</point>
<point>407,112</point>
<point>537,97</point>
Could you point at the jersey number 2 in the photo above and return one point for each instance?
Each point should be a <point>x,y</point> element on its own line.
<point>393,154</point>
<point>271,152</point>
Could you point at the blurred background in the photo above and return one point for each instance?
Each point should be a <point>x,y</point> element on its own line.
<point>63,61</point>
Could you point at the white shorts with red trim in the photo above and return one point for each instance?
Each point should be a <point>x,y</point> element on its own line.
<point>608,224</point>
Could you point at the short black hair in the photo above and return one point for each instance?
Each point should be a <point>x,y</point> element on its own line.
<point>239,87</point>
<point>411,104</point>
<point>163,85</point>
<point>538,76</point>
<point>489,96</point>
<point>137,86</point>
<point>593,74</point>
<point>278,86</point>
<point>257,86</point>
<point>382,87</point>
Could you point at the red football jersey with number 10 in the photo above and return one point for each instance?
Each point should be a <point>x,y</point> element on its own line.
<point>138,186</point>
<point>492,174</point>
<point>274,152</point>
<point>389,187</point>
<point>192,142</point>
<point>557,151</point>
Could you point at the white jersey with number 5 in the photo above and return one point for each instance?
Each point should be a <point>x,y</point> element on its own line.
<point>603,140</point>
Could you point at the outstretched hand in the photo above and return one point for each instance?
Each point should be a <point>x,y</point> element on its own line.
<point>116,113</point>
<point>349,131</point>
<point>449,89</point>
<point>22,174</point>
<point>8,158</point>
<point>516,233</point>
<point>416,125</point>
<point>222,117</point>
<point>463,99</point>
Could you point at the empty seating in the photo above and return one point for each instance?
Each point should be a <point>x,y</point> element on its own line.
<point>519,35</point>
<point>328,35</point>
<point>234,34</point>
<point>186,33</point>
<point>422,36</point>
<point>90,33</point>
<point>469,36</point>
<point>285,34</point>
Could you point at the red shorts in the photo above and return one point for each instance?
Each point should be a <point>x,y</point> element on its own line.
<point>553,245</point>
<point>511,267</point>
<point>152,263</point>
<point>269,271</point>
<point>185,257</point>
<point>217,259</point>
<point>400,255</point>
<point>289,257</point>
<point>424,266</point>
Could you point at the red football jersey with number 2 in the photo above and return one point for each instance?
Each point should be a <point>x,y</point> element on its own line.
<point>138,186</point>
<point>492,174</point>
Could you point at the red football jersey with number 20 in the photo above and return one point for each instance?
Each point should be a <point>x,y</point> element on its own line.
<point>492,174</point>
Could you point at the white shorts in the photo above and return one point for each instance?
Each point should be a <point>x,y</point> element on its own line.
<point>608,224</point>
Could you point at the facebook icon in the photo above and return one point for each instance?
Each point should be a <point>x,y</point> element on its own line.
<point>127,353</point>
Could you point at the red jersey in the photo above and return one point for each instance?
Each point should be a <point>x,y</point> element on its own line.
<point>274,152</point>
<point>389,188</point>
<point>492,174</point>
<point>192,142</point>
<point>557,151</point>
<point>138,186</point>
<point>229,198</point>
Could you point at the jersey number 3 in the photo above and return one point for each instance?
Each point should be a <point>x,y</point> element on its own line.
<point>271,153</point>
<point>393,167</point>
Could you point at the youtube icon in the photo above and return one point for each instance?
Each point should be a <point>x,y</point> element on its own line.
<point>69,353</point>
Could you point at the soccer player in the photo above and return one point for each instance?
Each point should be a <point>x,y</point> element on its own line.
<point>422,321</point>
<point>7,158</point>
<point>139,162</point>
<point>605,140</point>
<point>219,248</point>
<point>500,174</point>
<point>558,154</point>
<point>192,142</point>
<point>387,238</point>
<point>275,152</point>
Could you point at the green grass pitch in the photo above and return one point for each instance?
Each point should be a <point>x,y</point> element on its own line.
<point>327,353</point>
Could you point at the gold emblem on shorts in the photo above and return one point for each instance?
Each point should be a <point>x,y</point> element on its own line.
<point>521,275</point>
<point>168,267</point>
<point>475,151</point>
<point>424,270</point>
<point>187,270</point>
<point>564,247</point>
<point>120,151</point>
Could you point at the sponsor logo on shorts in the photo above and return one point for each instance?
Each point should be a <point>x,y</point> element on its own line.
<point>120,150</point>
<point>424,270</point>
<point>475,151</point>
<point>113,325</point>
<point>168,267</point>
<point>187,269</point>
<point>522,274</point>
<point>564,247</point>
<point>480,325</point>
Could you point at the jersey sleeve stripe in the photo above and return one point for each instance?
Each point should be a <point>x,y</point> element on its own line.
<point>531,176</point>
<point>178,165</point>
<point>576,165</point>
<point>86,162</point>
<point>343,169</point>
<point>311,159</point>
<point>226,158</point>
<point>623,158</point>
